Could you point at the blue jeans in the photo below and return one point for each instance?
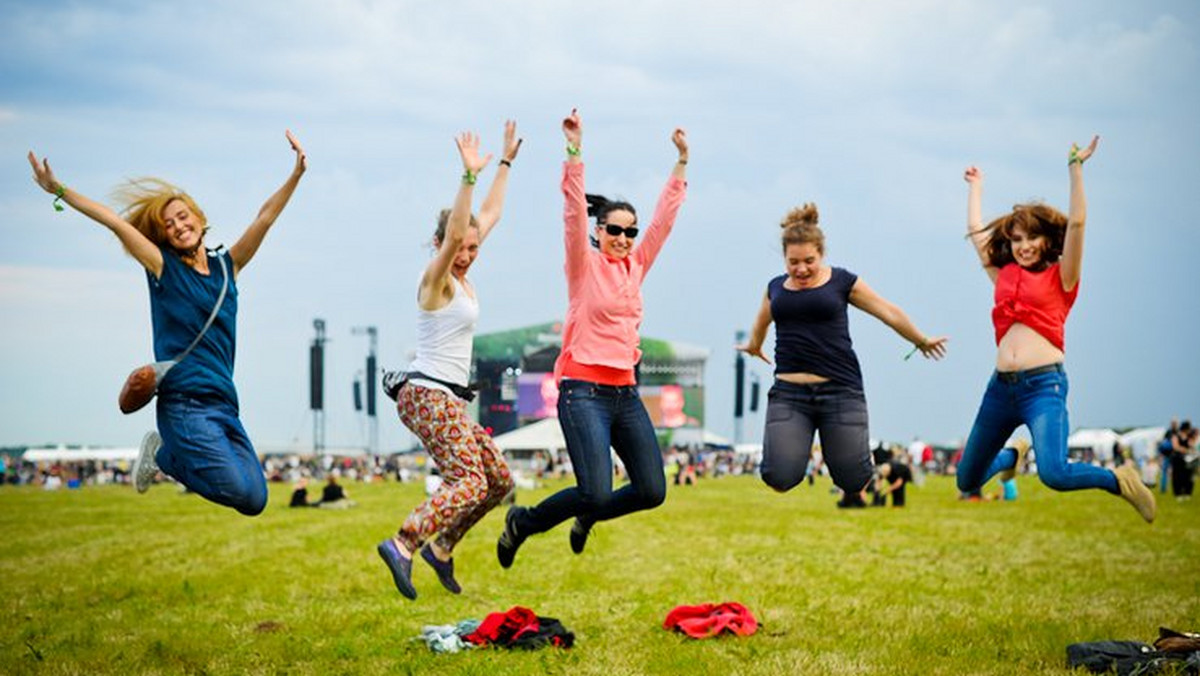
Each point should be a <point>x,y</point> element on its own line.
<point>594,418</point>
<point>206,449</point>
<point>1038,400</point>
<point>794,413</point>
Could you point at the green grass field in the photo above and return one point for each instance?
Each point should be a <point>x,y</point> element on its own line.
<point>105,581</point>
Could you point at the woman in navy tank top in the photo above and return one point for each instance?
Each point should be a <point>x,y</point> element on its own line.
<point>818,384</point>
<point>200,439</point>
<point>1033,256</point>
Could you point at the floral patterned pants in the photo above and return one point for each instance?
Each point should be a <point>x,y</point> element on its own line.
<point>475,477</point>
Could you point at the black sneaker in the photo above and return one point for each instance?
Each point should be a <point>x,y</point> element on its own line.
<point>579,536</point>
<point>851,501</point>
<point>510,541</point>
<point>444,570</point>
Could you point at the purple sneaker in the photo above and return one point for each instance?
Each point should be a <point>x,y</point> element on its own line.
<point>400,565</point>
<point>444,570</point>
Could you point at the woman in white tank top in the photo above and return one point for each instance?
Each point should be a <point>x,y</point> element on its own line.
<point>475,477</point>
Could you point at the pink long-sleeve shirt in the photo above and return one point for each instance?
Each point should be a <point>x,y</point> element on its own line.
<point>600,336</point>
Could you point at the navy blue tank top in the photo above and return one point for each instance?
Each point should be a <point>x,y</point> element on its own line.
<point>180,302</point>
<point>812,329</point>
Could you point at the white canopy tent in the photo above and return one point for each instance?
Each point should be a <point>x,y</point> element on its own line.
<point>79,454</point>
<point>695,437</point>
<point>1143,442</point>
<point>1098,440</point>
<point>543,435</point>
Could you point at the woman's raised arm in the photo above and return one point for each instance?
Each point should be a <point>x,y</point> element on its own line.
<point>142,249</point>
<point>247,245</point>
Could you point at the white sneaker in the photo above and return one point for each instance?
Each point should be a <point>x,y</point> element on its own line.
<point>144,466</point>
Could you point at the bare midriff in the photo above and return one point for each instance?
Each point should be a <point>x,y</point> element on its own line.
<point>1022,349</point>
<point>802,378</point>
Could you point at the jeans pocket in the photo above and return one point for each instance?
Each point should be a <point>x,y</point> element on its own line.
<point>850,410</point>
<point>1048,383</point>
<point>577,391</point>
<point>779,411</point>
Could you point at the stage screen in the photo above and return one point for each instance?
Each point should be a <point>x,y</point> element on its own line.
<point>668,405</point>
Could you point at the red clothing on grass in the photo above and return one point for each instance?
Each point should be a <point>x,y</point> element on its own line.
<point>707,620</point>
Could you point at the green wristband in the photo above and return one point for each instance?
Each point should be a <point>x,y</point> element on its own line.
<point>1074,157</point>
<point>469,177</point>
<point>58,196</point>
<point>573,150</point>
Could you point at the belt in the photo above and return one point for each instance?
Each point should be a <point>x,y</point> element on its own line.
<point>1018,376</point>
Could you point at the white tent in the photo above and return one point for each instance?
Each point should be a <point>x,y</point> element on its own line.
<point>1098,440</point>
<point>753,450</point>
<point>65,454</point>
<point>694,437</point>
<point>1143,442</point>
<point>543,435</point>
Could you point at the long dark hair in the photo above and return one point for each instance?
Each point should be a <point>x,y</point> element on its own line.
<point>599,207</point>
<point>1035,219</point>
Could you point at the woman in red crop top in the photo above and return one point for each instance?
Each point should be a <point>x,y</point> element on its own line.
<point>1033,256</point>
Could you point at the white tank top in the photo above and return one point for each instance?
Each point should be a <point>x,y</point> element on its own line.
<point>444,340</point>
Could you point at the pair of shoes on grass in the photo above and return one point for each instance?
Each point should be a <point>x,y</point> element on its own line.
<point>401,568</point>
<point>851,501</point>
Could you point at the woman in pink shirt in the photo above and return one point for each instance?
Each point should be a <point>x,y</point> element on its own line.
<point>598,404</point>
<point>1033,256</point>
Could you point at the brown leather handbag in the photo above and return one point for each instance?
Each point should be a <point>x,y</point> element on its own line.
<point>141,385</point>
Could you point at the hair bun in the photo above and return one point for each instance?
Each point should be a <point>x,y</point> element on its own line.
<point>802,215</point>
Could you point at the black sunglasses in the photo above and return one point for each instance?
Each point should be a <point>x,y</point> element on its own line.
<point>615,230</point>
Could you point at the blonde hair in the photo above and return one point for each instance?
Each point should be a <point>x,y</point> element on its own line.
<point>145,201</point>
<point>443,220</point>
<point>800,227</point>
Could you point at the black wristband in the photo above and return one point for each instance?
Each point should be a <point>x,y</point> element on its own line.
<point>506,163</point>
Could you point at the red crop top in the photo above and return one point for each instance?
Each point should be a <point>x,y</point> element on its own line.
<point>1035,299</point>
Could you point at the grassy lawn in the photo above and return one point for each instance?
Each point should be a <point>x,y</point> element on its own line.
<point>103,581</point>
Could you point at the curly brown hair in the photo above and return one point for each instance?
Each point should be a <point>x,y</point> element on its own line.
<point>800,227</point>
<point>1034,219</point>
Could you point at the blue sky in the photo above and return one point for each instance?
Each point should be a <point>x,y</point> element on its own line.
<point>870,109</point>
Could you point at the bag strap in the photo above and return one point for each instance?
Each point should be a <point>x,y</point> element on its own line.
<point>214,253</point>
